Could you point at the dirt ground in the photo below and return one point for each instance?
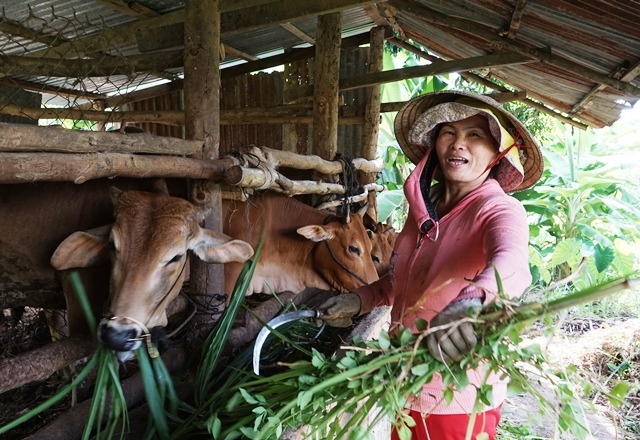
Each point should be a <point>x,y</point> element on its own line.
<point>594,346</point>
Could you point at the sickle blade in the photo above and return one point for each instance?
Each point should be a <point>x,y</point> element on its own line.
<point>273,324</point>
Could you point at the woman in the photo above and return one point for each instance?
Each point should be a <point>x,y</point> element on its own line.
<point>459,231</point>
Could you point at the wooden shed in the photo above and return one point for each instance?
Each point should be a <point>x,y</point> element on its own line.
<point>210,77</point>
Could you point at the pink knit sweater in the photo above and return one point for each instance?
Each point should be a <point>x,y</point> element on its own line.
<point>487,228</point>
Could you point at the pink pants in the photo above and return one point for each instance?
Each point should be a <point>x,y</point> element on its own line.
<point>451,426</point>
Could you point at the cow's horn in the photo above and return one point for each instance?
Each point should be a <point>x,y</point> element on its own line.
<point>362,211</point>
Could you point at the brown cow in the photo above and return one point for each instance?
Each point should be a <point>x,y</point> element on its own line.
<point>303,247</point>
<point>148,242</point>
<point>150,239</point>
<point>383,239</point>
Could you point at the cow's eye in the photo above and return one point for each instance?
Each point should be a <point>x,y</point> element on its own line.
<point>112,246</point>
<point>375,259</point>
<point>175,259</point>
<point>354,250</point>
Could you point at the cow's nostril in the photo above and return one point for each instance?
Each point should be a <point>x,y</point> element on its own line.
<point>119,338</point>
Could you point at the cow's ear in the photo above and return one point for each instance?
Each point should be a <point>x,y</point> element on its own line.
<point>369,222</point>
<point>216,247</point>
<point>115,194</point>
<point>316,233</point>
<point>83,249</point>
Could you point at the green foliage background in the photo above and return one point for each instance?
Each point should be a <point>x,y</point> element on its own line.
<point>584,214</point>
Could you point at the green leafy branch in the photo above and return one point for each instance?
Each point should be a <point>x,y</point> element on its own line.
<point>333,397</point>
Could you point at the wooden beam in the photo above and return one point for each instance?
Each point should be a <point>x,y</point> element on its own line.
<point>117,101</point>
<point>286,114</point>
<point>389,13</point>
<point>504,44</point>
<point>43,88</point>
<point>170,117</point>
<point>40,363</point>
<point>436,68</point>
<point>107,39</point>
<point>240,69</point>
<point>248,19</point>
<point>24,138</point>
<point>135,10</point>
<point>623,73</point>
<point>288,57</point>
<point>480,80</point>
<point>262,16</point>
<point>325,86</point>
<point>631,73</point>
<point>516,19</point>
<point>374,14</point>
<point>298,33</point>
<point>86,68</point>
<point>71,424</point>
<point>238,53</point>
<point>16,29</point>
<point>78,168</point>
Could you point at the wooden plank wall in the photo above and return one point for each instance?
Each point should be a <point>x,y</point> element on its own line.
<point>268,90</point>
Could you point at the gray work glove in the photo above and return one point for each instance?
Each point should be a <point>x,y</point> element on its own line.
<point>454,340</point>
<point>338,310</point>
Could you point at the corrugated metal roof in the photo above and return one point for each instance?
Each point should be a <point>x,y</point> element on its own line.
<point>585,55</point>
<point>597,36</point>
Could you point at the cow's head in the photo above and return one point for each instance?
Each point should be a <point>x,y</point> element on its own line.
<point>148,246</point>
<point>383,239</point>
<point>342,254</point>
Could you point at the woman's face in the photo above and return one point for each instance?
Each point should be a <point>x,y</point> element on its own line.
<point>465,148</point>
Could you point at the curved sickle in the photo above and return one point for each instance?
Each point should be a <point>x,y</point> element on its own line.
<point>273,324</point>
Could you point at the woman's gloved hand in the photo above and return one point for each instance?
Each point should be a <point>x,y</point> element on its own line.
<point>455,339</point>
<point>338,310</point>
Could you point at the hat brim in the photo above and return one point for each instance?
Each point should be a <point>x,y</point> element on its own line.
<point>530,153</point>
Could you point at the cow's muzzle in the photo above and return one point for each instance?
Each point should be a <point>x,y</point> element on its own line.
<point>122,335</point>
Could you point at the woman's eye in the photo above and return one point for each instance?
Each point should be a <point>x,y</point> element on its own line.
<point>354,250</point>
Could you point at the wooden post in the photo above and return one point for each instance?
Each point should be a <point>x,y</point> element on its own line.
<point>372,106</point>
<point>294,136</point>
<point>372,114</point>
<point>326,76</point>
<point>202,122</point>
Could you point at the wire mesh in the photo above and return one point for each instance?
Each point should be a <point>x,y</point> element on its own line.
<point>78,60</point>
